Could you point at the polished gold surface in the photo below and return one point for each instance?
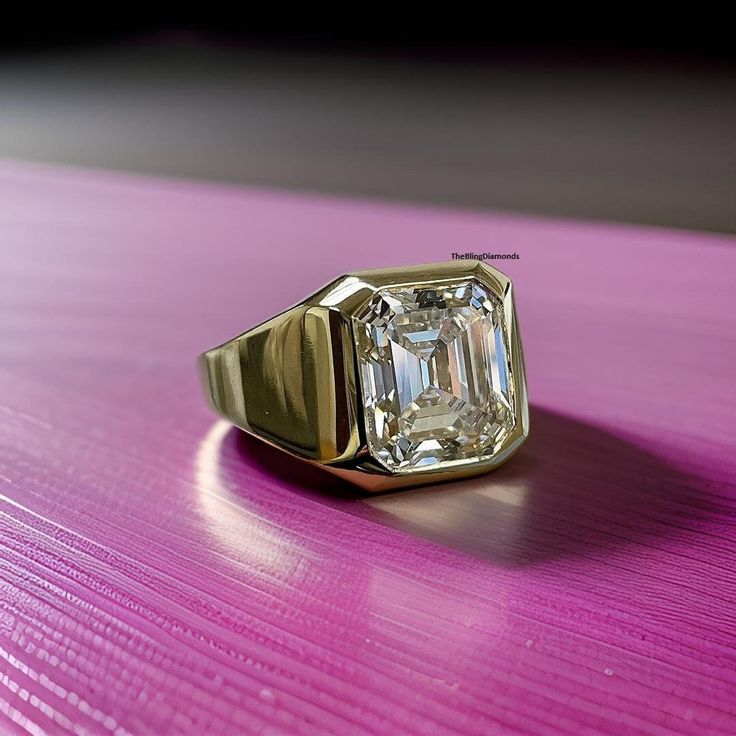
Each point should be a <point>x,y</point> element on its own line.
<point>292,381</point>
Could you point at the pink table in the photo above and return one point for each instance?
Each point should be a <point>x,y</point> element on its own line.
<point>162,574</point>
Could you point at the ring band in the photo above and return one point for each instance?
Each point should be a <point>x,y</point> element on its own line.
<point>388,378</point>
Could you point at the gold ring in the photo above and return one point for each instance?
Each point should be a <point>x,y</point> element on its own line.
<point>388,378</point>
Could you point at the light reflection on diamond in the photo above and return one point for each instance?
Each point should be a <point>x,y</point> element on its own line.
<point>435,375</point>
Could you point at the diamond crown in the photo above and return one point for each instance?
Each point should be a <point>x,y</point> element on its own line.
<point>436,381</point>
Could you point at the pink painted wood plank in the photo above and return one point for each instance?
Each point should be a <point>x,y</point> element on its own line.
<point>162,574</point>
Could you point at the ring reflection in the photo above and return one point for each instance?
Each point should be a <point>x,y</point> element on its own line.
<point>239,532</point>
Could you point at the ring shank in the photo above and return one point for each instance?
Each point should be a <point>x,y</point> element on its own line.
<point>290,381</point>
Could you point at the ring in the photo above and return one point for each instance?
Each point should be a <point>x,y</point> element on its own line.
<point>388,378</point>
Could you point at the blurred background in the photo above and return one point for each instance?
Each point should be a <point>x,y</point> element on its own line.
<point>534,116</point>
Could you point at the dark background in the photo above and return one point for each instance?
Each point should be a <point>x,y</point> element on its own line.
<point>627,119</point>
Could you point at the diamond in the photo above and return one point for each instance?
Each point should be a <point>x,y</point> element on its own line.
<point>435,374</point>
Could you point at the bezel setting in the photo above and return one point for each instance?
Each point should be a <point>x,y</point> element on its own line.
<point>436,382</point>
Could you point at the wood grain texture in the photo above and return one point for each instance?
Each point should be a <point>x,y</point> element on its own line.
<point>163,574</point>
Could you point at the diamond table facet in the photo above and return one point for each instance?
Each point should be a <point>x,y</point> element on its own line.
<point>436,379</point>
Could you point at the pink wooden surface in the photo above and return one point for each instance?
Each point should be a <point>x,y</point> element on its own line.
<point>161,574</point>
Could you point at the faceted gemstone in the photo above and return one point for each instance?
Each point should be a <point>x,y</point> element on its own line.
<point>435,375</point>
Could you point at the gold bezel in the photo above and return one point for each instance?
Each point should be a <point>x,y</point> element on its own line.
<point>293,381</point>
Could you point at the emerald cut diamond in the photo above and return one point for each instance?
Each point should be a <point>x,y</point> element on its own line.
<point>436,380</point>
